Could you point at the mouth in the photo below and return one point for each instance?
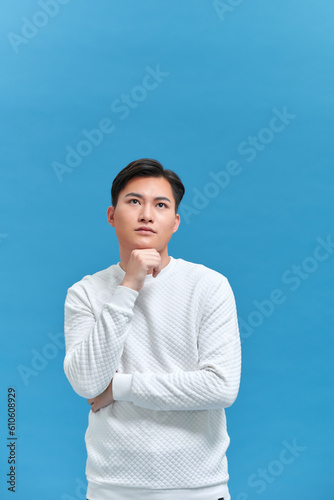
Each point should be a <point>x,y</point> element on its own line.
<point>144,231</point>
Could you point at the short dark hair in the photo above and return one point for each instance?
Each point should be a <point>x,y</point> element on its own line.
<point>147,167</point>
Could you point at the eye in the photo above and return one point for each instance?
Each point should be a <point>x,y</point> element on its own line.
<point>133,199</point>
<point>161,203</point>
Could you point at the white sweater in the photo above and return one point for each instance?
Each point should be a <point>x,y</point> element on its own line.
<point>176,347</point>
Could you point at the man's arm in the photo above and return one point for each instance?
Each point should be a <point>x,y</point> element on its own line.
<point>215,384</point>
<point>94,345</point>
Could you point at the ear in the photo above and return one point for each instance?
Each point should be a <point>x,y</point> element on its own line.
<point>176,223</point>
<point>110,216</point>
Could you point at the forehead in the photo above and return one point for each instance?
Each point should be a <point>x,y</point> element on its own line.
<point>148,185</point>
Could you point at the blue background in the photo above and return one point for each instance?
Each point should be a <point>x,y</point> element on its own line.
<point>226,72</point>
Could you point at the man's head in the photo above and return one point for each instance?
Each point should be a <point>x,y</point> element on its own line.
<point>147,167</point>
<point>145,194</point>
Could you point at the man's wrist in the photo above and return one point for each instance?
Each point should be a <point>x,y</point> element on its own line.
<point>129,285</point>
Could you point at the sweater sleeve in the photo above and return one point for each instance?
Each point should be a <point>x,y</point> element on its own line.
<point>215,384</point>
<point>94,345</point>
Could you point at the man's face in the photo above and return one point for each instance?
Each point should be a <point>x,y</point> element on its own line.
<point>142,209</point>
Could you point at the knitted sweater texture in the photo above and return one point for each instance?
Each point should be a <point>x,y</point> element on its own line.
<point>175,345</point>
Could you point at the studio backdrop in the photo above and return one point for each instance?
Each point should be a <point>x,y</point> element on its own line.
<point>237,98</point>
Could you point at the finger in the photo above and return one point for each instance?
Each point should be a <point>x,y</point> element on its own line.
<point>93,407</point>
<point>156,270</point>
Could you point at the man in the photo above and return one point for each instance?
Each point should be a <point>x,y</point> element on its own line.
<point>153,343</point>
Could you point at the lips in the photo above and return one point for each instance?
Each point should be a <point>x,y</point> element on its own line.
<point>145,229</point>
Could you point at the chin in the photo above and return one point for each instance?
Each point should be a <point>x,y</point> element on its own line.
<point>143,244</point>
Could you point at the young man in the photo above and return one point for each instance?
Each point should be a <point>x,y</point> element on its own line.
<point>153,343</point>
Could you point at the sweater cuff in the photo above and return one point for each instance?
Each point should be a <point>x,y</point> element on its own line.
<point>124,298</point>
<point>121,387</point>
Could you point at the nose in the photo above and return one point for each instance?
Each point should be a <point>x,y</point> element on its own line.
<point>146,214</point>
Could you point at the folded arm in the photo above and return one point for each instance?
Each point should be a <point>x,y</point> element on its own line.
<point>94,345</point>
<point>215,384</point>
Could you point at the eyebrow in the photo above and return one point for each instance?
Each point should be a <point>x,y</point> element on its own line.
<point>141,196</point>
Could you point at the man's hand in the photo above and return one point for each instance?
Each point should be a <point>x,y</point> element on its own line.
<point>104,399</point>
<point>140,263</point>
